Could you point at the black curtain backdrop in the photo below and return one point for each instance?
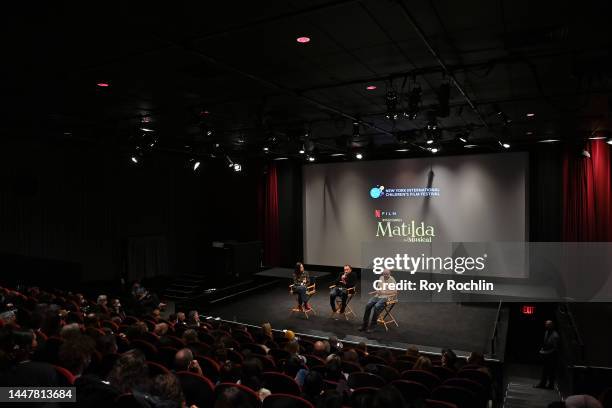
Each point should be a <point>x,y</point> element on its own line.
<point>83,204</point>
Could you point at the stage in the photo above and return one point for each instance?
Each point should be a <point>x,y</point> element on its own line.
<point>430,326</point>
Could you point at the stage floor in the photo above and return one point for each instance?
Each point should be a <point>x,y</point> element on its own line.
<point>430,326</point>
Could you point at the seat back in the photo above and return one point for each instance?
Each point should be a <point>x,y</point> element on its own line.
<point>198,390</point>
<point>430,403</point>
<point>442,372</point>
<point>286,401</point>
<point>65,376</point>
<point>246,393</point>
<point>411,391</point>
<point>457,395</point>
<point>428,379</point>
<point>363,397</point>
<point>280,383</point>
<point>156,369</point>
<point>360,380</point>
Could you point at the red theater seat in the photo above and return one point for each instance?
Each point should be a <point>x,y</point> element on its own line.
<point>249,395</point>
<point>280,383</point>
<point>198,390</point>
<point>285,401</point>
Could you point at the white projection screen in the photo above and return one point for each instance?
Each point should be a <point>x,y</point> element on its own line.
<point>481,198</point>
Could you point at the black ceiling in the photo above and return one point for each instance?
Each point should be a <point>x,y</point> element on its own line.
<point>235,68</point>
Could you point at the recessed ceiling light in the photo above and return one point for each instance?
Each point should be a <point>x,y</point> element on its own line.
<point>548,141</point>
<point>530,115</point>
<point>434,150</point>
<point>303,40</point>
<point>371,87</point>
<point>470,146</point>
<point>506,145</point>
<point>402,150</point>
<point>103,84</point>
<point>359,156</point>
<point>336,154</point>
<point>265,149</point>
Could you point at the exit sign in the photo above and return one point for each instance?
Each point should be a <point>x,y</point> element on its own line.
<point>528,309</point>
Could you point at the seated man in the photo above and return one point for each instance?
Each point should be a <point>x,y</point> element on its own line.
<point>345,281</point>
<point>378,301</point>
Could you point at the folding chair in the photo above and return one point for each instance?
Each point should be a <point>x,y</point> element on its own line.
<point>347,310</point>
<point>386,318</point>
<point>311,290</point>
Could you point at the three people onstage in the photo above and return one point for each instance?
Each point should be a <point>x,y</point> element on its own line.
<point>345,281</point>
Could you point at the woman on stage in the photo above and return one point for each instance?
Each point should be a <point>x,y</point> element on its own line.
<point>300,282</point>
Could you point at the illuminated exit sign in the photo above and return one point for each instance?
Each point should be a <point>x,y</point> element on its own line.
<point>528,309</point>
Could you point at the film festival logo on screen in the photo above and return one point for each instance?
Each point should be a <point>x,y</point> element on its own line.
<point>404,192</point>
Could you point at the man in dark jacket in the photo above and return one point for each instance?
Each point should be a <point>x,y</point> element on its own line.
<point>346,280</point>
<point>549,352</point>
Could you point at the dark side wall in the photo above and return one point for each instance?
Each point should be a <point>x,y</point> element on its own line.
<point>83,204</point>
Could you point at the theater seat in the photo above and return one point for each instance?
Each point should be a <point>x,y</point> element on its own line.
<point>248,394</point>
<point>429,403</point>
<point>285,401</point>
<point>280,383</point>
<point>64,375</point>
<point>360,380</point>
<point>156,369</point>
<point>411,391</point>
<point>457,395</point>
<point>426,378</point>
<point>363,397</point>
<point>198,390</point>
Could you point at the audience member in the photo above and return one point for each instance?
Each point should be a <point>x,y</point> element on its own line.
<point>422,363</point>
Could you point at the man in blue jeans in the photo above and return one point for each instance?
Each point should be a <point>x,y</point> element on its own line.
<point>378,301</point>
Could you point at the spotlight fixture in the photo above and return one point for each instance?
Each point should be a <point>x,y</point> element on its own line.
<point>530,115</point>
<point>134,159</point>
<point>434,150</point>
<point>504,144</point>
<point>391,101</point>
<point>194,163</point>
<point>359,156</point>
<point>303,40</point>
<point>103,84</point>
<point>237,167</point>
<point>463,136</point>
<point>281,158</point>
<point>336,154</point>
<point>551,141</point>
<point>371,87</point>
<point>311,158</point>
<point>470,146</point>
<point>402,150</point>
<point>146,129</point>
<point>266,149</point>
<point>302,150</point>
<point>609,141</point>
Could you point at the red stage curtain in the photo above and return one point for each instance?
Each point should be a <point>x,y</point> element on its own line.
<point>269,219</point>
<point>587,194</point>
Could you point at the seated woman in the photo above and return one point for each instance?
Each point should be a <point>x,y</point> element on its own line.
<point>301,280</point>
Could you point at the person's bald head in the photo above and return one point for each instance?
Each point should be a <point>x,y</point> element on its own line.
<point>549,325</point>
<point>182,359</point>
<point>319,348</point>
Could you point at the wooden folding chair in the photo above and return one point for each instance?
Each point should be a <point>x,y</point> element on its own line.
<point>311,290</point>
<point>347,310</point>
<point>386,317</point>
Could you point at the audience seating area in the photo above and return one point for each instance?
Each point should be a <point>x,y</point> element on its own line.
<point>140,359</point>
